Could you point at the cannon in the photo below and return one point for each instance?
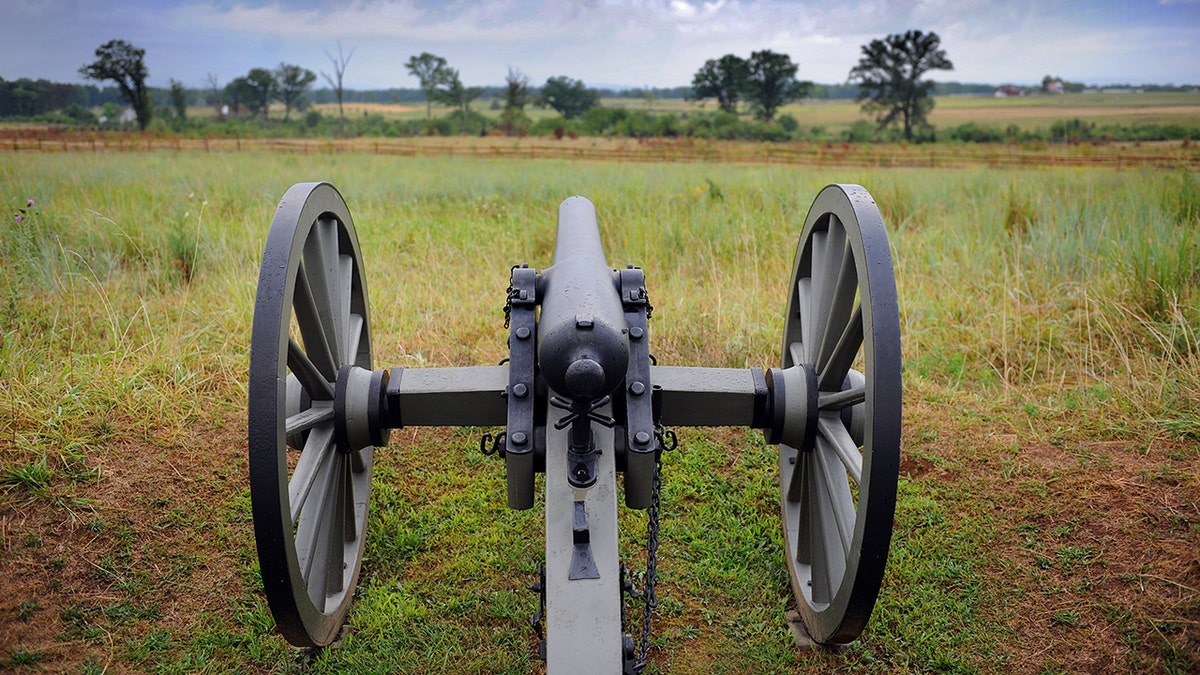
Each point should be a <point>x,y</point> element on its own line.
<point>580,399</point>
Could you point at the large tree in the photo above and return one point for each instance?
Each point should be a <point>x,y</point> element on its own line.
<point>771,82</point>
<point>262,88</point>
<point>571,98</point>
<point>513,120</point>
<point>294,82</point>
<point>432,72</point>
<point>213,94</point>
<point>889,78</point>
<point>123,63</point>
<point>239,94</point>
<point>723,79</point>
<point>452,92</point>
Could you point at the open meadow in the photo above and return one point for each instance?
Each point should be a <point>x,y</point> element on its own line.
<point>1027,113</point>
<point>1048,517</point>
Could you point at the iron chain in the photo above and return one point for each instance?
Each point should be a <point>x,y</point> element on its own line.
<point>667,440</point>
<point>649,597</point>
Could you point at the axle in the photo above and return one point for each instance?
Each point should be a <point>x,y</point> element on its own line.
<point>586,349</point>
<point>476,396</point>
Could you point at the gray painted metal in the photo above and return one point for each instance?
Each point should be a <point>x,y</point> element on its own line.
<point>838,500</point>
<point>519,433</point>
<point>639,396</point>
<point>467,396</point>
<point>709,397</point>
<point>309,521</point>
<point>583,616</point>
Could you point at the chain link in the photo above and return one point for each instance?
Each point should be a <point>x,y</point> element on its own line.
<point>648,594</point>
<point>667,441</point>
<point>509,294</point>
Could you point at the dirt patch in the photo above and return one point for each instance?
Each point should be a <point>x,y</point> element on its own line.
<point>91,570</point>
<point>1100,550</point>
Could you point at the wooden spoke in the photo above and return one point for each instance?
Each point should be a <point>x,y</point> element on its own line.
<point>848,346</point>
<point>837,438</point>
<point>305,420</point>
<point>317,449</point>
<point>310,377</point>
<point>842,399</point>
<point>308,318</point>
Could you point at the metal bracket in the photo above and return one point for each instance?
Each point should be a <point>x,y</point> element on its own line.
<point>583,564</point>
<point>639,408</point>
<point>522,355</point>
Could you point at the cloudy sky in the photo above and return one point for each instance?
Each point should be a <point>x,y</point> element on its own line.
<point>603,42</point>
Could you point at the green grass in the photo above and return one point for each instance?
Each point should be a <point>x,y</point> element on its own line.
<point>1047,311</point>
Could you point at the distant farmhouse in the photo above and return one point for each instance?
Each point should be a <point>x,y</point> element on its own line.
<point>1007,90</point>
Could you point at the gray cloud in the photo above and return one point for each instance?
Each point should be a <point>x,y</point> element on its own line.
<point>624,42</point>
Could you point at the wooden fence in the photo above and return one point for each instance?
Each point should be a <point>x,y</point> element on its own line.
<point>808,154</point>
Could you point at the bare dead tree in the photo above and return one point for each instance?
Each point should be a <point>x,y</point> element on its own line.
<point>213,94</point>
<point>339,69</point>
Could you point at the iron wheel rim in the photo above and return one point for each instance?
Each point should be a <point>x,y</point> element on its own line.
<point>836,543</point>
<point>311,285</point>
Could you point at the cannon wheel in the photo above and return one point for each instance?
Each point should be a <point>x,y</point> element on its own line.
<point>309,498</point>
<point>838,494</point>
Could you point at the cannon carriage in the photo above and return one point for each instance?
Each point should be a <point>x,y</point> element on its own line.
<point>580,399</point>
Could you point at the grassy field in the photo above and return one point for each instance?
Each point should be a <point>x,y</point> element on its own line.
<point>1049,506</point>
<point>1026,112</point>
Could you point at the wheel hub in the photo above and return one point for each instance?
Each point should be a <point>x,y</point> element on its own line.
<point>360,409</point>
<point>794,407</point>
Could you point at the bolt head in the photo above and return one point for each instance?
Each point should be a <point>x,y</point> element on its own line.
<point>519,438</point>
<point>520,390</point>
<point>641,438</point>
<point>636,333</point>
<point>637,388</point>
<point>523,333</point>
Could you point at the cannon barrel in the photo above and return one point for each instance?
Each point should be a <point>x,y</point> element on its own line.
<point>583,349</point>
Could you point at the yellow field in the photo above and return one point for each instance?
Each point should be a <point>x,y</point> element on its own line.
<point>1026,112</point>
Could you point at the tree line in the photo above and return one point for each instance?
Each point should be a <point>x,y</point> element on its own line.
<point>888,81</point>
<point>889,78</point>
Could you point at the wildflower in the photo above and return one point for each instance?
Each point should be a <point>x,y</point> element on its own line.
<point>31,202</point>
<point>19,219</point>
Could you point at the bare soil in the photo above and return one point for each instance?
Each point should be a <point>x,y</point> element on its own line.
<point>1098,540</point>
<point>92,569</point>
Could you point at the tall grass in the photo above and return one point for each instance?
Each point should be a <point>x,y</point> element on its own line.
<point>127,303</point>
<point>1044,283</point>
